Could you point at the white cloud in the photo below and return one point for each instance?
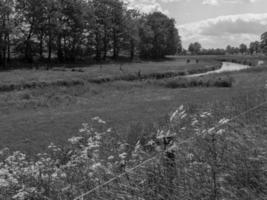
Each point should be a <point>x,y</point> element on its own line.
<point>218,2</point>
<point>211,2</point>
<point>224,30</point>
<point>147,6</point>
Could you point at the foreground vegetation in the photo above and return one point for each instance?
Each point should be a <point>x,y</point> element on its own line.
<point>196,155</point>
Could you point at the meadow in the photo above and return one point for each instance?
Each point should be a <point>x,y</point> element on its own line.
<point>32,118</point>
<point>159,135</point>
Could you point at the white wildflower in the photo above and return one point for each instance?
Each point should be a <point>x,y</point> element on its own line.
<point>205,115</point>
<point>99,120</point>
<point>110,157</point>
<point>211,130</point>
<point>137,147</point>
<point>174,115</point>
<point>96,166</point>
<point>123,155</point>
<point>183,116</point>
<point>85,128</point>
<point>3,183</point>
<point>224,121</point>
<point>181,107</point>
<point>75,140</point>
<point>220,132</point>
<point>163,134</point>
<point>151,143</point>
<point>21,195</point>
<point>160,134</point>
<point>194,122</point>
<point>190,156</point>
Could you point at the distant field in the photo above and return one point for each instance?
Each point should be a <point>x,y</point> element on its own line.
<point>31,119</point>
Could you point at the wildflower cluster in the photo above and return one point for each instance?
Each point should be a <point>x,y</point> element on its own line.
<point>93,155</point>
<point>194,150</point>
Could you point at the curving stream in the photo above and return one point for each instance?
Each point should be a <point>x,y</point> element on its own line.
<point>226,67</point>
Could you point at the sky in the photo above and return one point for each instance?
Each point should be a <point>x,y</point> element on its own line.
<point>213,23</point>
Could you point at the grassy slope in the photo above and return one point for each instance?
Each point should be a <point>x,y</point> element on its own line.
<point>31,119</point>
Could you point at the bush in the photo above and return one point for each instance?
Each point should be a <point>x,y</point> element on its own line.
<point>213,81</point>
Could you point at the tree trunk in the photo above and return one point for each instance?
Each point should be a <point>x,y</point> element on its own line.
<point>8,40</point>
<point>49,41</point>
<point>1,52</point>
<point>64,47</point>
<point>98,51</point>
<point>115,44</point>
<point>105,44</point>
<point>73,50</point>
<point>5,50</point>
<point>59,48</point>
<point>41,45</point>
<point>132,48</point>
<point>28,50</point>
<point>4,43</point>
<point>50,48</point>
<point>8,49</point>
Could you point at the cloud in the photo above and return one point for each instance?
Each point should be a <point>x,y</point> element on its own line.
<point>211,2</point>
<point>147,6</point>
<point>219,2</point>
<point>224,30</point>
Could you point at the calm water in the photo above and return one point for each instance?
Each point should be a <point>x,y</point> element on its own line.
<point>226,67</point>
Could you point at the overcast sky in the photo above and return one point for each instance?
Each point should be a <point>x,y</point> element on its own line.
<point>213,23</point>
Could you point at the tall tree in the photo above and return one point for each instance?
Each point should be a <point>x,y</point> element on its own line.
<point>159,37</point>
<point>254,47</point>
<point>70,29</point>
<point>194,48</point>
<point>131,31</point>
<point>264,42</point>
<point>243,48</point>
<point>6,28</point>
<point>117,10</point>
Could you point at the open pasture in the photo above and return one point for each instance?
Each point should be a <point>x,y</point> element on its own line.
<point>33,118</point>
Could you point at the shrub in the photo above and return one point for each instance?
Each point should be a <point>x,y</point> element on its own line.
<point>213,81</point>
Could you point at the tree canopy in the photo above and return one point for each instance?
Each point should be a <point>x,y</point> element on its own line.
<point>194,48</point>
<point>67,30</point>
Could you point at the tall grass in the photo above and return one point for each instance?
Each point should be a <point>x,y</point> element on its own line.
<point>189,155</point>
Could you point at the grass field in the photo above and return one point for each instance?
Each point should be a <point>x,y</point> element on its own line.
<point>31,119</point>
<point>97,71</point>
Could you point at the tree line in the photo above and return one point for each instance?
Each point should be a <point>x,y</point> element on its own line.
<point>253,48</point>
<point>67,30</point>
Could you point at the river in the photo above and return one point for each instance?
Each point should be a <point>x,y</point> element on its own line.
<point>226,67</point>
